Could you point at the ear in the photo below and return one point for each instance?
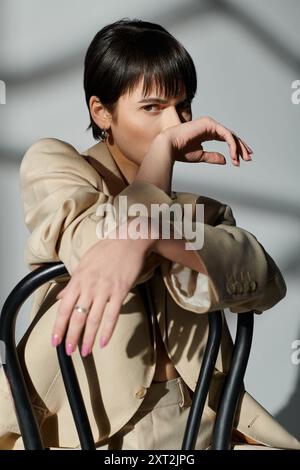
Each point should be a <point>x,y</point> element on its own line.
<point>100,114</point>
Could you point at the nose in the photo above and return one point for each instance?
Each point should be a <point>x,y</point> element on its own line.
<point>170,117</point>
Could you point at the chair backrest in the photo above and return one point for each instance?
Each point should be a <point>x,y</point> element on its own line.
<point>25,414</point>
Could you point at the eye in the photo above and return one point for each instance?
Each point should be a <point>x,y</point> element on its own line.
<point>148,106</point>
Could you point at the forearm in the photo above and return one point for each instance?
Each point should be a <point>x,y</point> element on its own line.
<point>157,168</point>
<point>157,165</point>
<point>173,249</point>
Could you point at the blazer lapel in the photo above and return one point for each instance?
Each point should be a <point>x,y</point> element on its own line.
<point>101,159</point>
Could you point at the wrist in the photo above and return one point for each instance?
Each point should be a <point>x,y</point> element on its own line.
<point>149,232</point>
<point>159,153</point>
<point>142,229</point>
<point>161,145</point>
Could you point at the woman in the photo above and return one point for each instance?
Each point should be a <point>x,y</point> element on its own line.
<point>137,358</point>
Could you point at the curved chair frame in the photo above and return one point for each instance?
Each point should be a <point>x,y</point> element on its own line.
<point>25,414</point>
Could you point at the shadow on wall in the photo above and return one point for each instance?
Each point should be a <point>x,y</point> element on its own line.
<point>289,415</point>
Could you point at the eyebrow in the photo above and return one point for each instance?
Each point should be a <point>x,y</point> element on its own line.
<point>159,100</point>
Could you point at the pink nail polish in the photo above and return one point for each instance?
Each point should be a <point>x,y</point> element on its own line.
<point>85,350</point>
<point>69,349</point>
<point>55,340</point>
<point>103,341</point>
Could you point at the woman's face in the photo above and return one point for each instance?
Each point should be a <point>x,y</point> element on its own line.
<point>137,120</point>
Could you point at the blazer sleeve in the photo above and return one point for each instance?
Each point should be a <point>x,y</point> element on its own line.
<point>61,194</point>
<point>240,274</point>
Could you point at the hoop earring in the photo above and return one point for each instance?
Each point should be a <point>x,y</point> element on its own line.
<point>103,135</point>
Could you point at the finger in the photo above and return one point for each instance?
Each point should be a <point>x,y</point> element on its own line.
<point>199,156</point>
<point>110,317</point>
<point>249,149</point>
<point>215,158</point>
<point>228,137</point>
<point>61,293</point>
<point>92,324</point>
<point>245,154</point>
<point>239,147</point>
<point>63,314</point>
<point>77,322</point>
<point>243,141</point>
<point>192,152</point>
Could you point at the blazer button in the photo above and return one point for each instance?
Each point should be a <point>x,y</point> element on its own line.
<point>230,287</point>
<point>141,392</point>
<point>253,286</point>
<point>239,288</point>
<point>246,286</point>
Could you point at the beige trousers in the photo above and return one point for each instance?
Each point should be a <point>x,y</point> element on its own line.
<point>159,423</point>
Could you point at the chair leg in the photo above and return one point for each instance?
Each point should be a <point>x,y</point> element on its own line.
<point>203,383</point>
<point>233,383</point>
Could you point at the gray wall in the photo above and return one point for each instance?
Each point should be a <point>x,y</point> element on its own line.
<point>247,56</point>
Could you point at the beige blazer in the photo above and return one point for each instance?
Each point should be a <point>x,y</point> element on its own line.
<point>61,189</point>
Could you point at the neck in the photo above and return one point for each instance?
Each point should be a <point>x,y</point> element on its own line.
<point>127,168</point>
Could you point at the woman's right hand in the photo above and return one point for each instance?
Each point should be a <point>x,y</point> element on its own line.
<point>186,140</point>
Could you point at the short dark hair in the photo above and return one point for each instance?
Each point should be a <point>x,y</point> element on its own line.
<point>123,52</point>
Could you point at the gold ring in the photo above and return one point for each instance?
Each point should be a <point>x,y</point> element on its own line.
<point>81,309</point>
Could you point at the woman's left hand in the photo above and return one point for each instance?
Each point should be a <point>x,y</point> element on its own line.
<point>100,282</point>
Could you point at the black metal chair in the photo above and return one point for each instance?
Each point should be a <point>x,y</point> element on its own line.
<point>25,414</point>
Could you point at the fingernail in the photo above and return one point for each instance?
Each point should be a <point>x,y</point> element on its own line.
<point>249,157</point>
<point>55,339</point>
<point>85,350</point>
<point>69,349</point>
<point>103,341</point>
